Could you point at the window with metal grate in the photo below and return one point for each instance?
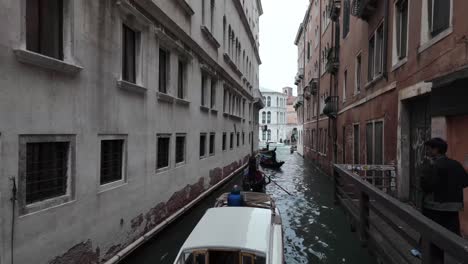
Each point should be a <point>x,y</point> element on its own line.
<point>111,160</point>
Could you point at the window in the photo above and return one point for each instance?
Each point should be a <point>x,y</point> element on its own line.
<point>47,169</point>
<point>374,142</point>
<point>111,160</point>
<point>163,70</point>
<point>358,74</point>
<point>308,51</point>
<point>231,143</point>
<point>202,145</point>
<point>224,141</point>
<point>268,117</point>
<point>181,80</point>
<point>344,145</point>
<point>263,117</point>
<point>163,152</point>
<point>345,83</point>
<point>44,27</point>
<point>203,90</point>
<point>401,31</point>
<point>212,143</point>
<point>238,139</point>
<point>225,101</point>
<point>212,13</point>
<point>346,18</point>
<point>129,55</point>
<point>269,134</point>
<point>263,135</point>
<point>356,144</point>
<point>180,149</point>
<point>376,52</point>
<point>213,93</point>
<point>203,12</point>
<point>268,101</point>
<point>439,16</point>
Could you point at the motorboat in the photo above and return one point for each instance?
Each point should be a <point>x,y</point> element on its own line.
<point>249,234</point>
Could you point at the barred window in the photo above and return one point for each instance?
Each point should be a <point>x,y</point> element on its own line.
<point>44,27</point>
<point>212,143</point>
<point>46,170</point>
<point>202,145</point>
<point>163,152</point>
<point>180,148</point>
<point>224,141</point>
<point>111,160</point>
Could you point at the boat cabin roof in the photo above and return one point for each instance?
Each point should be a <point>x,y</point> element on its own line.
<point>232,228</point>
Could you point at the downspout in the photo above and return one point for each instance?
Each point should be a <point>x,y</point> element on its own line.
<point>13,209</point>
<point>319,79</point>
<point>385,56</point>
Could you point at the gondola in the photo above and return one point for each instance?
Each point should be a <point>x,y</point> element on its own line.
<point>271,164</point>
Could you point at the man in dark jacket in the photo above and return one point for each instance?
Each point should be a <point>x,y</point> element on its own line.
<point>443,182</point>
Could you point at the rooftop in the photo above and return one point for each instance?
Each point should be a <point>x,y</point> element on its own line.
<point>242,228</point>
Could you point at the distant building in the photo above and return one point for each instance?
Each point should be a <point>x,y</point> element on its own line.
<point>275,116</point>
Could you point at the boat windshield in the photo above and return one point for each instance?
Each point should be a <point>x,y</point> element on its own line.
<point>217,256</point>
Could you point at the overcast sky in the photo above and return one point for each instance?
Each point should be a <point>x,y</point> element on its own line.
<point>278,27</point>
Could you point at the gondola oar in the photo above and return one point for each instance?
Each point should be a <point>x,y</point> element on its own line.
<point>269,178</point>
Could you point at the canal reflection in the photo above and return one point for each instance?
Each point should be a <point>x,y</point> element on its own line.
<point>316,231</point>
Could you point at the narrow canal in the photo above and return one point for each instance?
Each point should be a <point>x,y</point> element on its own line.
<point>316,231</point>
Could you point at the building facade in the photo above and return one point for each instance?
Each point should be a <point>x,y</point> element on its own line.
<point>273,116</point>
<point>392,74</point>
<point>115,115</point>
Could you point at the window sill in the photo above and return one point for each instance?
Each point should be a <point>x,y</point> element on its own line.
<point>132,87</point>
<point>36,59</point>
<point>399,63</point>
<point>161,170</point>
<point>182,102</point>
<point>180,164</point>
<point>45,205</point>
<point>374,81</point>
<point>209,36</point>
<point>236,118</point>
<point>435,39</point>
<point>111,186</point>
<point>162,97</point>
<point>226,114</point>
<point>186,7</point>
<point>204,108</point>
<point>233,66</point>
<point>214,111</point>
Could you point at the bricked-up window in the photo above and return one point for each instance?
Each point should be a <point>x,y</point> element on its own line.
<point>231,142</point>
<point>46,170</point>
<point>181,79</point>
<point>202,145</point>
<point>224,141</point>
<point>163,70</point>
<point>213,93</point>
<point>439,15</point>
<point>180,149</point>
<point>44,27</point>
<point>129,43</point>
<point>346,18</point>
<point>402,28</point>
<point>111,160</point>
<point>163,152</point>
<point>212,143</point>
<point>203,90</point>
<point>358,74</point>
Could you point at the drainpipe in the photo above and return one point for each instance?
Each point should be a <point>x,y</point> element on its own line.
<point>385,57</point>
<point>319,79</point>
<point>13,209</point>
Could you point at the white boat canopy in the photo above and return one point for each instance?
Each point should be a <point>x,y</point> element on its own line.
<point>228,228</point>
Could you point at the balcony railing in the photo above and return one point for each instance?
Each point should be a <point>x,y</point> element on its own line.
<point>333,61</point>
<point>334,7</point>
<point>331,107</point>
<point>363,8</point>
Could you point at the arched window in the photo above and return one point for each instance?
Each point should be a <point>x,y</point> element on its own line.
<point>263,117</point>
<point>269,134</point>
<point>268,117</point>
<point>268,101</point>
<point>224,32</point>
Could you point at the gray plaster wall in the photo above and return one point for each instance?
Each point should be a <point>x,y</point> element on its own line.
<point>87,105</point>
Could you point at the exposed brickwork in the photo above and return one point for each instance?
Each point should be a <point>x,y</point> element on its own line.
<point>137,221</point>
<point>82,253</point>
<point>113,250</point>
<point>216,175</point>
